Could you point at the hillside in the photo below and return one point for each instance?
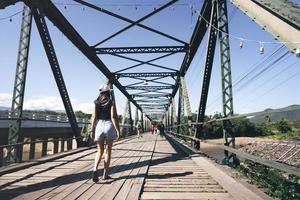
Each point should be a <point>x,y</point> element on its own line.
<point>292,115</point>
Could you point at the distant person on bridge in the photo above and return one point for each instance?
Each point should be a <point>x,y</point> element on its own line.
<point>105,127</point>
<point>152,128</point>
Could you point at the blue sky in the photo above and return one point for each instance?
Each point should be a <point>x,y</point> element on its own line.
<point>276,87</point>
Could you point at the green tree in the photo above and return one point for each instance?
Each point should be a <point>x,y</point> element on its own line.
<point>283,126</point>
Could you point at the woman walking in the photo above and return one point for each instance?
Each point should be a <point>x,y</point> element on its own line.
<point>105,128</point>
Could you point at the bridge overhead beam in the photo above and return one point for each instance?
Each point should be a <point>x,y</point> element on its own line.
<point>56,17</point>
<point>133,23</point>
<point>278,17</point>
<point>148,88</point>
<point>133,50</point>
<point>145,75</point>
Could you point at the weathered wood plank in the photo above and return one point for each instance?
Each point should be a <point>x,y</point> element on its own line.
<point>191,195</point>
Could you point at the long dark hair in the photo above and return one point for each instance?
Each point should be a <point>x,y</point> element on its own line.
<point>103,99</point>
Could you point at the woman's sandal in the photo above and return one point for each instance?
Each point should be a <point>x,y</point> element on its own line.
<point>95,176</point>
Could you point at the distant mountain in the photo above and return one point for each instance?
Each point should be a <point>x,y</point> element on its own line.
<point>293,114</point>
<point>2,108</point>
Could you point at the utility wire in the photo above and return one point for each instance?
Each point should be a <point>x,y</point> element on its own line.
<point>250,71</point>
<point>273,88</point>
<point>10,16</point>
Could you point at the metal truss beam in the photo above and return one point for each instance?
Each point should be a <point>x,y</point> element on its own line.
<point>13,155</point>
<point>148,88</point>
<point>279,17</point>
<point>53,61</point>
<point>210,52</point>
<point>133,23</point>
<point>195,41</point>
<point>145,62</point>
<point>185,96</point>
<point>152,96</point>
<point>164,101</point>
<point>154,74</point>
<point>133,50</point>
<point>56,17</point>
<point>154,105</point>
<point>228,135</point>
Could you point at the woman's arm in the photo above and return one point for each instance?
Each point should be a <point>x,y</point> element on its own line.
<point>115,119</point>
<point>93,122</point>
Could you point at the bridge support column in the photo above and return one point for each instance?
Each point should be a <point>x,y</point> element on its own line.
<point>210,52</point>
<point>228,135</point>
<point>55,145</point>
<point>19,86</point>
<point>136,116</point>
<point>130,118</point>
<point>144,127</point>
<point>32,148</point>
<point>62,145</point>
<point>179,109</point>
<point>44,146</point>
<point>124,130</point>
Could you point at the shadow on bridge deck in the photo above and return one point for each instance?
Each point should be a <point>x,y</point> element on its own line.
<point>141,168</point>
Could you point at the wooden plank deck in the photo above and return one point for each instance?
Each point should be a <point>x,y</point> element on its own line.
<point>141,168</point>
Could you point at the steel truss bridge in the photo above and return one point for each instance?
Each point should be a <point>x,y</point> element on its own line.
<point>152,93</point>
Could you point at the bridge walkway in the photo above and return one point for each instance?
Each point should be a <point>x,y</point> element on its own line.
<point>151,167</point>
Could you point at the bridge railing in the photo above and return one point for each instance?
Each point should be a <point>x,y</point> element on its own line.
<point>30,150</point>
<point>6,115</point>
<point>189,135</point>
<point>37,147</point>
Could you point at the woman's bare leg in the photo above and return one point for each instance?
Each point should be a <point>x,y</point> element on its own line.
<point>107,158</point>
<point>100,149</point>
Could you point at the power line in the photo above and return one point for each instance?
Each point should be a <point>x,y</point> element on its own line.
<point>270,90</point>
<point>250,71</point>
<point>10,16</point>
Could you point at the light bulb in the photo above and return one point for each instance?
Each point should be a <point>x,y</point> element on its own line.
<point>241,44</point>
<point>298,52</point>
<point>261,49</point>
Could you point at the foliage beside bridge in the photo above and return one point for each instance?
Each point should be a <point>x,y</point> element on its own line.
<point>276,183</point>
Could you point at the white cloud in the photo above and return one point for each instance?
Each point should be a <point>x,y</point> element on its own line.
<point>46,103</point>
<point>5,99</point>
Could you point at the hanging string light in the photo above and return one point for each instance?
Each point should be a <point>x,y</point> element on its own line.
<point>242,40</point>
<point>298,52</point>
<point>261,48</point>
<point>10,18</point>
<point>241,44</point>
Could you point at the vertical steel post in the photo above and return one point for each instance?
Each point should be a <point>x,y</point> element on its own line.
<point>142,122</point>
<point>130,118</point>
<point>53,61</point>
<point>210,51</point>
<point>179,109</point>
<point>136,117</point>
<point>124,119</point>
<point>186,104</point>
<point>19,86</point>
<point>229,138</point>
